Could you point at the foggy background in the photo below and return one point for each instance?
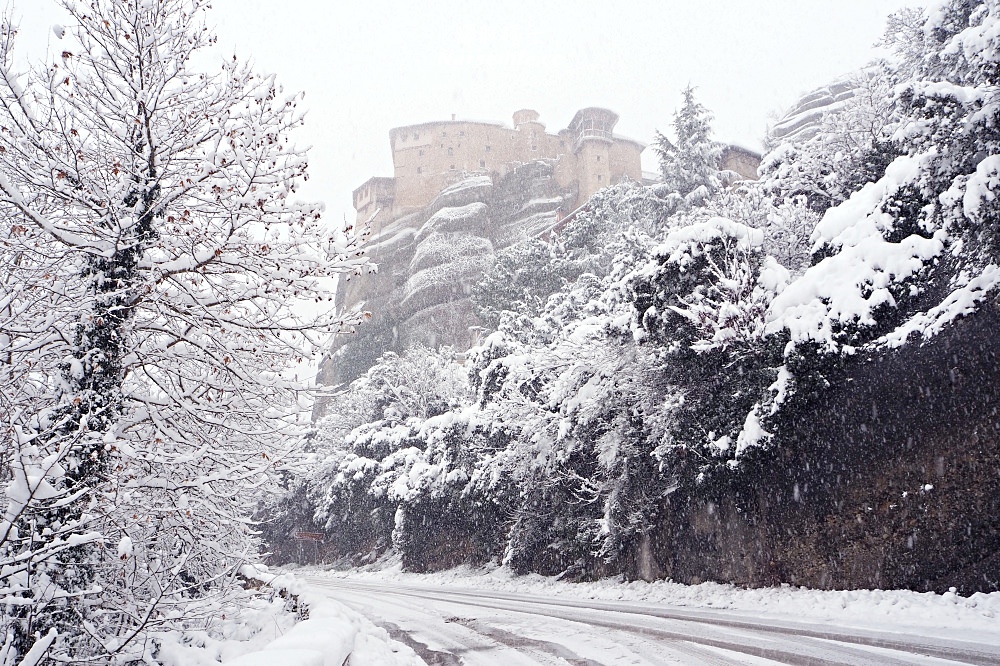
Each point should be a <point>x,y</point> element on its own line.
<point>372,66</point>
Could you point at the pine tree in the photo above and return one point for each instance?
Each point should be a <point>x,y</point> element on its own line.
<point>689,166</point>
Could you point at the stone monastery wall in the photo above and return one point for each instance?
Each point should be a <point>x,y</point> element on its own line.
<point>429,157</point>
<point>461,192</point>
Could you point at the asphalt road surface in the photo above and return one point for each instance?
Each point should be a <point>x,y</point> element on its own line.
<point>486,628</point>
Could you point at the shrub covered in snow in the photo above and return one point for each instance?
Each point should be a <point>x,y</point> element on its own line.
<point>655,353</point>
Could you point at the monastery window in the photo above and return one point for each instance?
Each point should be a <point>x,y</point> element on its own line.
<point>451,151</point>
<point>421,152</point>
<point>534,147</point>
<point>416,136</point>
<point>462,133</point>
<point>489,148</point>
<point>600,178</point>
<point>598,158</point>
<point>444,134</point>
<point>452,167</point>
<point>420,169</point>
<point>482,164</point>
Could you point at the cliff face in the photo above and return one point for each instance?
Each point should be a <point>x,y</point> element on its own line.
<point>428,262</point>
<point>888,479</point>
<point>804,119</point>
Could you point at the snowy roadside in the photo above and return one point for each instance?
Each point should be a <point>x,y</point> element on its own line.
<point>974,618</point>
<point>265,633</point>
<point>330,635</point>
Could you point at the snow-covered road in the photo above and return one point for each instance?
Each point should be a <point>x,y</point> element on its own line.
<point>487,627</point>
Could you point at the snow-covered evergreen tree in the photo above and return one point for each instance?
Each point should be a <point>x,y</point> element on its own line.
<point>689,165</point>
<point>908,253</point>
<point>161,389</point>
<point>786,222</point>
<point>701,305</point>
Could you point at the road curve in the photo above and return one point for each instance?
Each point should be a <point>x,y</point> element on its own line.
<point>467,627</point>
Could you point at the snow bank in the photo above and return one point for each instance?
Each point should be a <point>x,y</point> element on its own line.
<point>332,633</point>
<point>326,639</point>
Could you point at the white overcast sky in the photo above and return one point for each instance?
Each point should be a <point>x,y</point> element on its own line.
<point>369,65</point>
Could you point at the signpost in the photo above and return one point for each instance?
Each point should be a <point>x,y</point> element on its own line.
<point>299,535</point>
<point>302,537</point>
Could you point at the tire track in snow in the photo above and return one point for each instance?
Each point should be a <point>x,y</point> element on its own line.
<point>704,637</point>
<point>438,646</point>
<point>525,644</point>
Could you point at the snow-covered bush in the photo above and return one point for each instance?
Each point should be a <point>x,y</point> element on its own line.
<point>702,304</point>
<point>787,223</point>
<point>375,434</point>
<point>663,343</point>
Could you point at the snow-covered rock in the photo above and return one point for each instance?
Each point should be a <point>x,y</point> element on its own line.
<point>429,260</point>
<point>803,120</point>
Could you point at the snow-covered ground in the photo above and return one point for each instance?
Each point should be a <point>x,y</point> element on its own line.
<point>331,633</point>
<point>975,618</point>
<point>478,615</point>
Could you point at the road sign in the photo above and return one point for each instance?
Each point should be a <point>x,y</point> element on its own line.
<point>307,536</point>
